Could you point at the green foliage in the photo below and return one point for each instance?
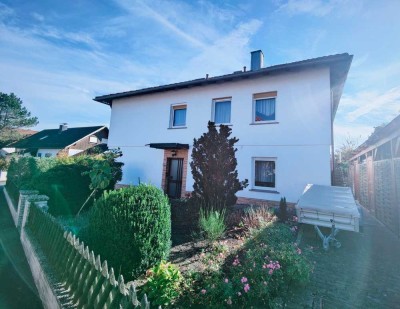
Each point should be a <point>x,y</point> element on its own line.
<point>212,224</point>
<point>163,284</point>
<point>283,214</point>
<point>131,228</point>
<point>59,178</point>
<point>13,116</point>
<point>4,163</point>
<point>214,168</point>
<point>258,275</point>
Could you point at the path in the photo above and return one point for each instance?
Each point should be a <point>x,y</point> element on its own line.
<point>363,273</point>
<point>17,289</point>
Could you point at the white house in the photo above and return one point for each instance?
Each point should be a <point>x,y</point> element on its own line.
<point>282,115</point>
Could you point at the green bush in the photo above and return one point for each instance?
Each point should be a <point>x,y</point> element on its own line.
<point>212,224</point>
<point>283,213</point>
<point>163,284</point>
<point>131,228</point>
<point>64,180</point>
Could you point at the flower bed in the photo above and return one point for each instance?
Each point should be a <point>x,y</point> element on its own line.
<point>256,273</point>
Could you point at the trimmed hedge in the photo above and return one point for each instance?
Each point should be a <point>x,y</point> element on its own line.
<point>131,228</point>
<point>60,179</point>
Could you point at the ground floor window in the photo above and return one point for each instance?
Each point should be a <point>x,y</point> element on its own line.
<point>264,172</point>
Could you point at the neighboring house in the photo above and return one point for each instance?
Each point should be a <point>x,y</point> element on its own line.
<point>282,115</point>
<point>4,152</point>
<point>62,142</point>
<point>374,174</point>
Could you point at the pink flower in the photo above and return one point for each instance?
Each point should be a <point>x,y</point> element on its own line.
<point>295,219</point>
<point>203,291</point>
<point>298,250</point>
<point>246,287</point>
<point>226,280</point>
<point>271,271</point>
<point>243,280</point>
<point>236,262</point>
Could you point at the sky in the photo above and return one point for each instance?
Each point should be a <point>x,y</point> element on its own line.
<point>58,55</point>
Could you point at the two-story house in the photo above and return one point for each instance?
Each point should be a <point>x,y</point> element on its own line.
<point>282,115</point>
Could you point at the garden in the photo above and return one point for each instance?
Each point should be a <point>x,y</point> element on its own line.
<point>237,256</point>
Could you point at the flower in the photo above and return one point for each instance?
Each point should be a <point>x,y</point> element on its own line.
<point>239,294</point>
<point>298,250</point>
<point>229,301</point>
<point>203,291</point>
<point>271,271</point>
<point>295,219</point>
<point>246,287</point>
<point>265,283</point>
<point>243,280</point>
<point>226,280</point>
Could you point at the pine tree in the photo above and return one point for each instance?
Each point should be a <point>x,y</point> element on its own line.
<point>214,168</point>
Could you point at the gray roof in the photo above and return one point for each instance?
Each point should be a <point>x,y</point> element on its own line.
<point>54,138</point>
<point>339,66</point>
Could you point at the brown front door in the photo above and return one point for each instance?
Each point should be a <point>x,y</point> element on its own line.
<point>174,177</point>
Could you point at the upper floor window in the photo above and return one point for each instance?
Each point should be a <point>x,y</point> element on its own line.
<point>222,111</point>
<point>264,107</point>
<point>178,115</point>
<point>93,139</point>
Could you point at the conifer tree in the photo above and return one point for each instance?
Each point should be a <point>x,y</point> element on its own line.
<point>214,168</point>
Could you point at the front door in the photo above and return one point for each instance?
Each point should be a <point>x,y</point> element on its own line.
<point>174,177</point>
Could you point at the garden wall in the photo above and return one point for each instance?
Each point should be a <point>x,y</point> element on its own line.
<point>65,271</point>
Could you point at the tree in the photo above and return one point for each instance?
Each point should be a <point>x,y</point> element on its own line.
<point>214,168</point>
<point>13,116</point>
<point>103,172</point>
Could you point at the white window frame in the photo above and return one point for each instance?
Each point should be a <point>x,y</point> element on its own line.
<point>253,173</point>
<point>213,110</point>
<point>172,114</point>
<point>254,108</point>
<point>93,139</point>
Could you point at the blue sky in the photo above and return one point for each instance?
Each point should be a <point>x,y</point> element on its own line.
<point>57,55</point>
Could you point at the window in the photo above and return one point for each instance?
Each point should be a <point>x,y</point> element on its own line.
<point>93,139</point>
<point>178,116</point>
<point>264,172</point>
<point>264,107</point>
<point>39,154</point>
<point>222,110</point>
<point>48,155</point>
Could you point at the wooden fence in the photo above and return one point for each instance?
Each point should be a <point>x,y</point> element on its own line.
<point>376,185</point>
<point>82,280</point>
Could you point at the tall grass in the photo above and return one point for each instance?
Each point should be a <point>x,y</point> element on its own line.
<point>212,224</point>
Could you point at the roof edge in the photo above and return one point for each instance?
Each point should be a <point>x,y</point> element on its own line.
<point>325,60</point>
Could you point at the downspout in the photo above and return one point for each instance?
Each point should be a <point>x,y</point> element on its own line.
<point>332,143</point>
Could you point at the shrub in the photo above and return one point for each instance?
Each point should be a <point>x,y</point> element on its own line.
<point>212,224</point>
<point>64,180</point>
<point>214,168</point>
<point>283,213</point>
<point>131,228</point>
<point>256,218</point>
<point>163,284</point>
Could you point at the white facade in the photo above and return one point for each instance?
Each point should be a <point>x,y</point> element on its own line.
<point>299,140</point>
<point>47,153</point>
